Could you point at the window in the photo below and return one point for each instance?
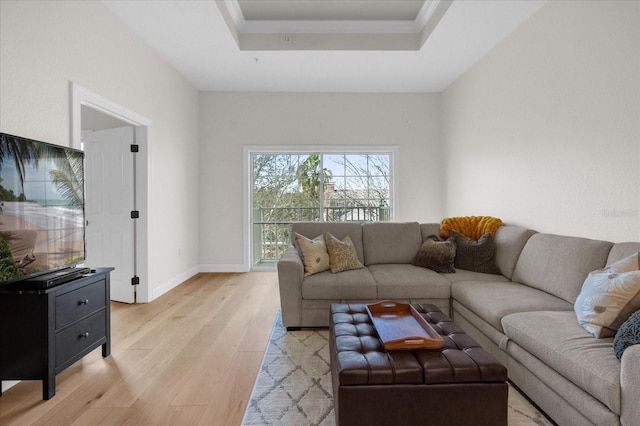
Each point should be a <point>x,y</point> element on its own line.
<point>319,185</point>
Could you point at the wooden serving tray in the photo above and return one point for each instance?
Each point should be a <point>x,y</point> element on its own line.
<point>401,327</point>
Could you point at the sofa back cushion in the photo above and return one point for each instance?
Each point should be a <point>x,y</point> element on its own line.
<point>621,250</point>
<point>559,264</point>
<point>390,242</point>
<point>508,242</point>
<point>428,229</point>
<point>337,229</point>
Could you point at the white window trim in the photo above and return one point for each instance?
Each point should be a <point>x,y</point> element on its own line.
<point>249,150</point>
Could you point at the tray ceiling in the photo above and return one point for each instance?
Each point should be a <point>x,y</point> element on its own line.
<point>332,24</point>
<point>323,45</point>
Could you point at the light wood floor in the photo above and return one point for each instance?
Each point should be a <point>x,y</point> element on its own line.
<point>190,357</point>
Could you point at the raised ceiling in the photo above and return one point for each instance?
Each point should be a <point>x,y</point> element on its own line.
<point>327,10</point>
<point>323,45</point>
<point>332,24</point>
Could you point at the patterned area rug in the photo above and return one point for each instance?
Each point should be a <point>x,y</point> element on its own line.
<point>293,386</point>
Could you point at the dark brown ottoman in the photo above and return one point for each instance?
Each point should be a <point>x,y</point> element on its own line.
<point>461,384</point>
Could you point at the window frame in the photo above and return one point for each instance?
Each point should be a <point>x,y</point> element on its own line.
<point>250,150</point>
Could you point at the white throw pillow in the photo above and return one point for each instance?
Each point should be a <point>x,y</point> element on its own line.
<point>314,254</point>
<point>609,296</point>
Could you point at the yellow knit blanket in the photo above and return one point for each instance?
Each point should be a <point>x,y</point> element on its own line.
<point>473,227</point>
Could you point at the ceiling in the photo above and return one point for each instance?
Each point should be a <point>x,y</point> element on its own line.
<point>323,45</point>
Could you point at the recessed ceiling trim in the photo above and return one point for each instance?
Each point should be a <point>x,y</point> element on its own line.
<point>413,26</point>
<point>329,27</point>
<point>335,42</point>
<point>426,12</point>
<point>305,34</point>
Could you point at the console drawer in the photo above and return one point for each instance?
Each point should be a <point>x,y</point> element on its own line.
<point>77,338</point>
<point>79,303</point>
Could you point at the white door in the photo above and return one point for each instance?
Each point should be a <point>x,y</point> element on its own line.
<point>109,200</point>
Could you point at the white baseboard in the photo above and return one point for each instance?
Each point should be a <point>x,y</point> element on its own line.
<point>223,268</point>
<point>9,384</point>
<point>173,283</point>
<point>176,281</point>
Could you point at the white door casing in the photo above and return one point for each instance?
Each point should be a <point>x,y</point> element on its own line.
<point>109,200</point>
<point>82,97</point>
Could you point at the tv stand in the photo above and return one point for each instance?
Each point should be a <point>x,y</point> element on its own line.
<point>44,331</point>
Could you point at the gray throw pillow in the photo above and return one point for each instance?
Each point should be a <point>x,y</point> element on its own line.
<point>475,255</point>
<point>627,335</point>
<point>436,254</point>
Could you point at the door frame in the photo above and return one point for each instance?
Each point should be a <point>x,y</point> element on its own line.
<point>84,97</point>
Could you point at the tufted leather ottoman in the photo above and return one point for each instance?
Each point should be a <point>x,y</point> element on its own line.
<point>461,384</point>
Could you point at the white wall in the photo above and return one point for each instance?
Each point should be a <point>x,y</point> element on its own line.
<point>229,121</point>
<point>46,44</point>
<point>545,130</point>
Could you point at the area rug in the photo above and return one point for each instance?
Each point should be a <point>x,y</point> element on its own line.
<point>293,386</point>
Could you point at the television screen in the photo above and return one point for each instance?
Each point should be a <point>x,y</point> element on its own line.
<point>41,208</point>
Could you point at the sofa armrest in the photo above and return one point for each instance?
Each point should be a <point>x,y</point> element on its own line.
<point>290,276</point>
<point>630,386</point>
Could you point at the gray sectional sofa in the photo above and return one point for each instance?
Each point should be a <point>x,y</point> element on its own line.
<point>524,317</point>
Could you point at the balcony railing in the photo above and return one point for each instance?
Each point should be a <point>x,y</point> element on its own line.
<point>272,226</point>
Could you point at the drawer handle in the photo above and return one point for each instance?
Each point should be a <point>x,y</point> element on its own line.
<point>83,302</point>
<point>84,335</point>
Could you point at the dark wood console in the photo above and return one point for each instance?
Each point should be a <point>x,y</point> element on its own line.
<point>42,332</point>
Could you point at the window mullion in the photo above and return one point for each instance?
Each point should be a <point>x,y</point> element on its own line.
<point>321,188</point>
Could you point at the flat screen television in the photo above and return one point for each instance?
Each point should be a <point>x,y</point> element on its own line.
<point>41,210</point>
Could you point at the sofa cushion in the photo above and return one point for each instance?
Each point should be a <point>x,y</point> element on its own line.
<point>508,242</point>
<point>436,255</point>
<point>355,284</point>
<point>475,255</point>
<point>400,281</point>
<point>492,300</point>
<point>342,254</point>
<point>622,250</point>
<point>609,296</point>
<point>464,275</point>
<point>427,229</point>
<point>390,242</point>
<point>314,254</point>
<point>559,264</point>
<point>557,339</point>
<point>337,229</point>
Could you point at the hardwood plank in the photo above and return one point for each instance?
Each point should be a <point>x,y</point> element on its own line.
<point>189,357</point>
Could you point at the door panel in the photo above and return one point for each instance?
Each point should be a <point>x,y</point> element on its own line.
<point>109,201</point>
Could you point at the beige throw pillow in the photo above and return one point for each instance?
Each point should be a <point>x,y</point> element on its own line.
<point>609,296</point>
<point>314,254</point>
<point>342,254</point>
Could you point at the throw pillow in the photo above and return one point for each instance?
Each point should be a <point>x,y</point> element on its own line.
<point>473,227</point>
<point>628,334</point>
<point>436,254</point>
<point>342,254</point>
<point>314,254</point>
<point>474,255</point>
<point>608,297</point>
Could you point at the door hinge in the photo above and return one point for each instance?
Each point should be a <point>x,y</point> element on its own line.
<point>135,214</point>
<point>135,147</point>
<point>135,280</point>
